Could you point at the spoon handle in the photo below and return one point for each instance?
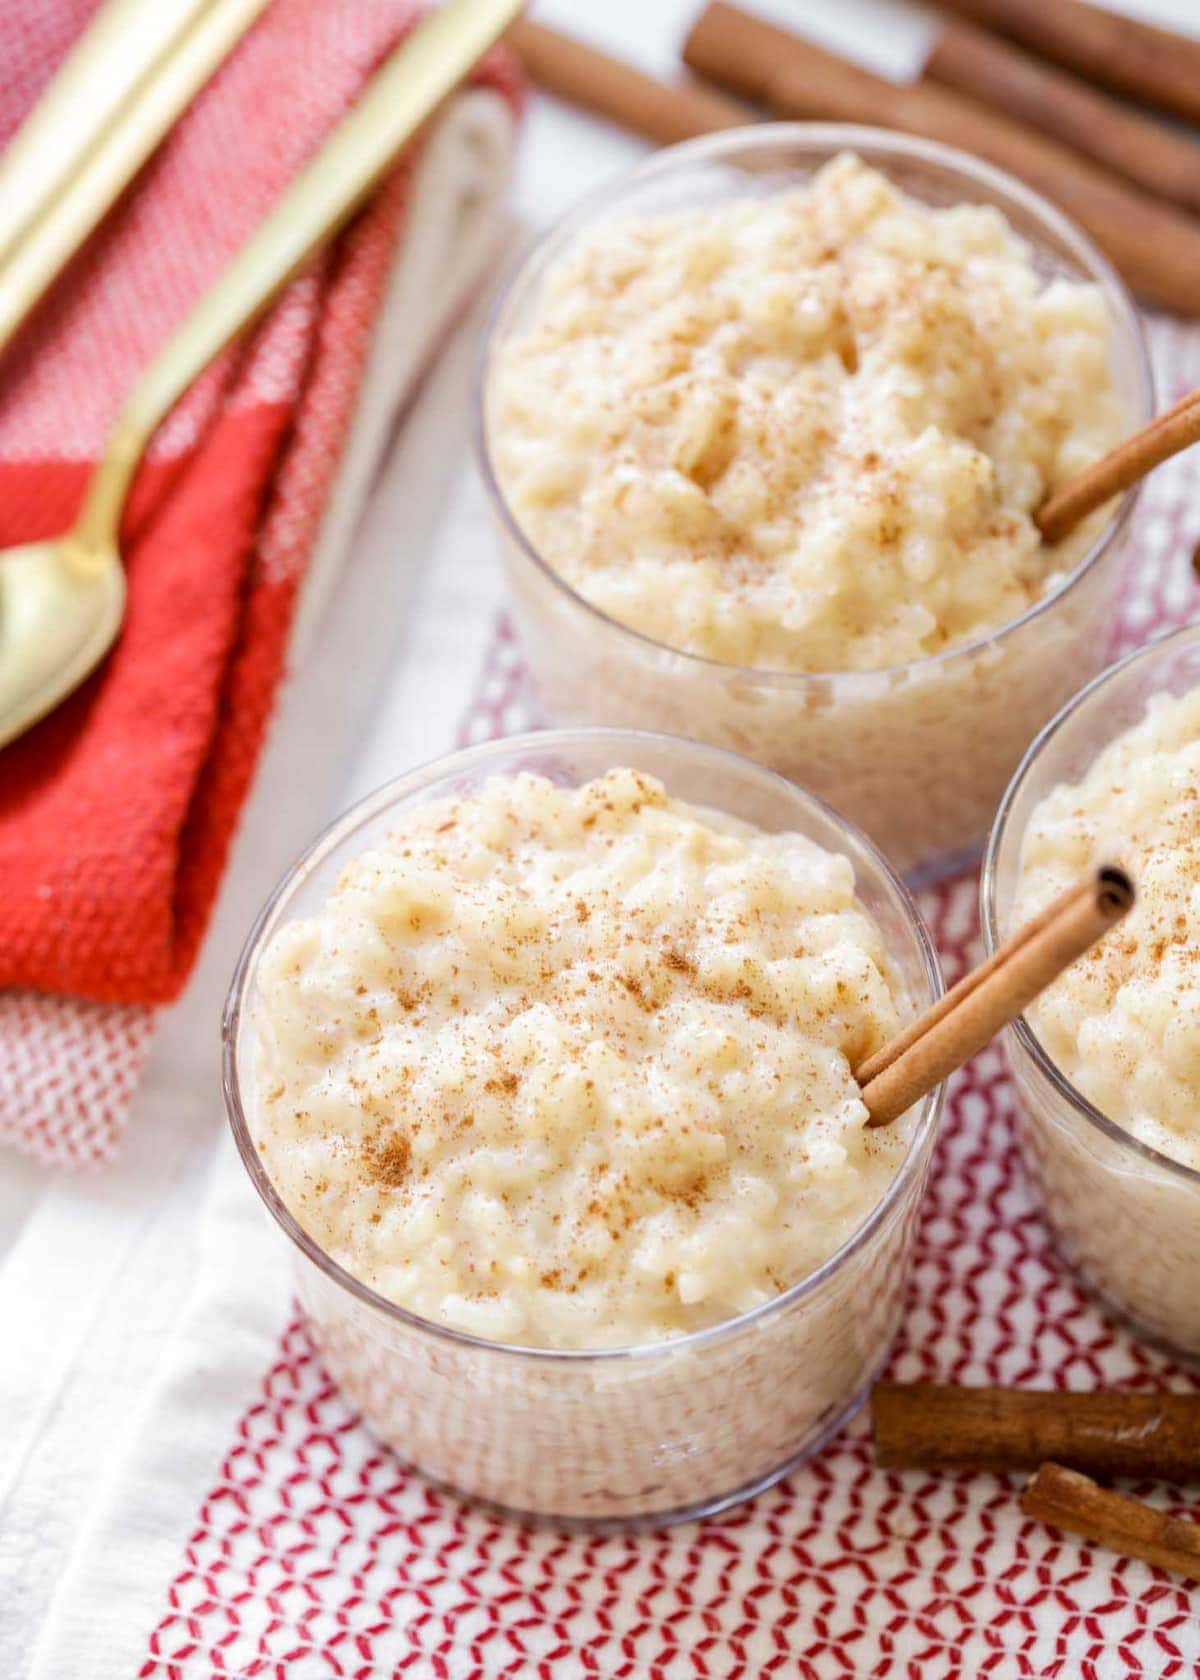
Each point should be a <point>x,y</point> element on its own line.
<point>122,48</point>
<point>411,83</point>
<point>78,178</point>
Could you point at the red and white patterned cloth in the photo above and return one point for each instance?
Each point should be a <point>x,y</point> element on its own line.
<point>116,813</point>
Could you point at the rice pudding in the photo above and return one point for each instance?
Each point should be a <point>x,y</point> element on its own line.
<point>1106,1062</point>
<point>1123,1023</point>
<point>765,431</point>
<point>571,1067</point>
<point>681,1421</point>
<point>806,431</point>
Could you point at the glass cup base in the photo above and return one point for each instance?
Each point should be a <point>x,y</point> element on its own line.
<point>648,1522</point>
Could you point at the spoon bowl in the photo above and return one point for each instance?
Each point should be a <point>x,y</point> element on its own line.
<point>61,606</point>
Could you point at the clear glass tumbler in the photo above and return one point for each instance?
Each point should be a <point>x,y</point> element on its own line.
<point>917,755</point>
<point>1125,1215</point>
<point>645,1434</point>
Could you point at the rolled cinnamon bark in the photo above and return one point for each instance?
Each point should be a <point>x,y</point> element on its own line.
<point>659,111</point>
<point>1065,1499</point>
<point>1062,106</point>
<point>1128,463</point>
<point>951,1031</point>
<point>1154,65</point>
<point>1156,248</point>
<point>924,1426</point>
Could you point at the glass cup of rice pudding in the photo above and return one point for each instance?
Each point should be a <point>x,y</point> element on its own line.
<point>1107,1061</point>
<point>764,426</point>
<point>542,1060</point>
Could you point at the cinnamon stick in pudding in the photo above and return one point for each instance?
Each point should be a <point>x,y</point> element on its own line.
<point>1153,65</point>
<point>1156,247</point>
<point>952,1030</point>
<point>1065,1499</point>
<point>928,1426</point>
<point>951,1000</point>
<point>1053,102</point>
<point>607,86</point>
<point>1166,435</point>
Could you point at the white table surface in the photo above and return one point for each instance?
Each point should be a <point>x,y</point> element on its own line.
<point>442,591</point>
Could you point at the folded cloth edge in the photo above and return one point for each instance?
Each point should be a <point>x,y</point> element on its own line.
<point>454,220</point>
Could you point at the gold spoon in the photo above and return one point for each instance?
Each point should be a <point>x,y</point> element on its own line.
<point>131,75</point>
<point>62,601</point>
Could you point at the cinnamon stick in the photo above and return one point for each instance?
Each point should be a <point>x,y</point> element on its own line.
<point>1067,1500</point>
<point>928,1426</point>
<point>951,1000</point>
<point>1162,437</point>
<point>1054,102</point>
<point>945,1037</point>
<point>659,111</point>
<point>1153,65</point>
<point>1156,247</point>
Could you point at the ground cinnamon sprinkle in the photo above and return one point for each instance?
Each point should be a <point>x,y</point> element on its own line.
<point>387,1160</point>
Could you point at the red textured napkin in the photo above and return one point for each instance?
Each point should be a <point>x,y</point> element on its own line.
<point>116,813</point>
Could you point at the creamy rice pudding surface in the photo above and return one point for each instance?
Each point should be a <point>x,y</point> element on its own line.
<point>1123,1023</point>
<point>804,431</point>
<point>572,1067</point>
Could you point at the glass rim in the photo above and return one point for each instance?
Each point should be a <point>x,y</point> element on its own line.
<point>831,136</point>
<point>998,839</point>
<point>374,805</point>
